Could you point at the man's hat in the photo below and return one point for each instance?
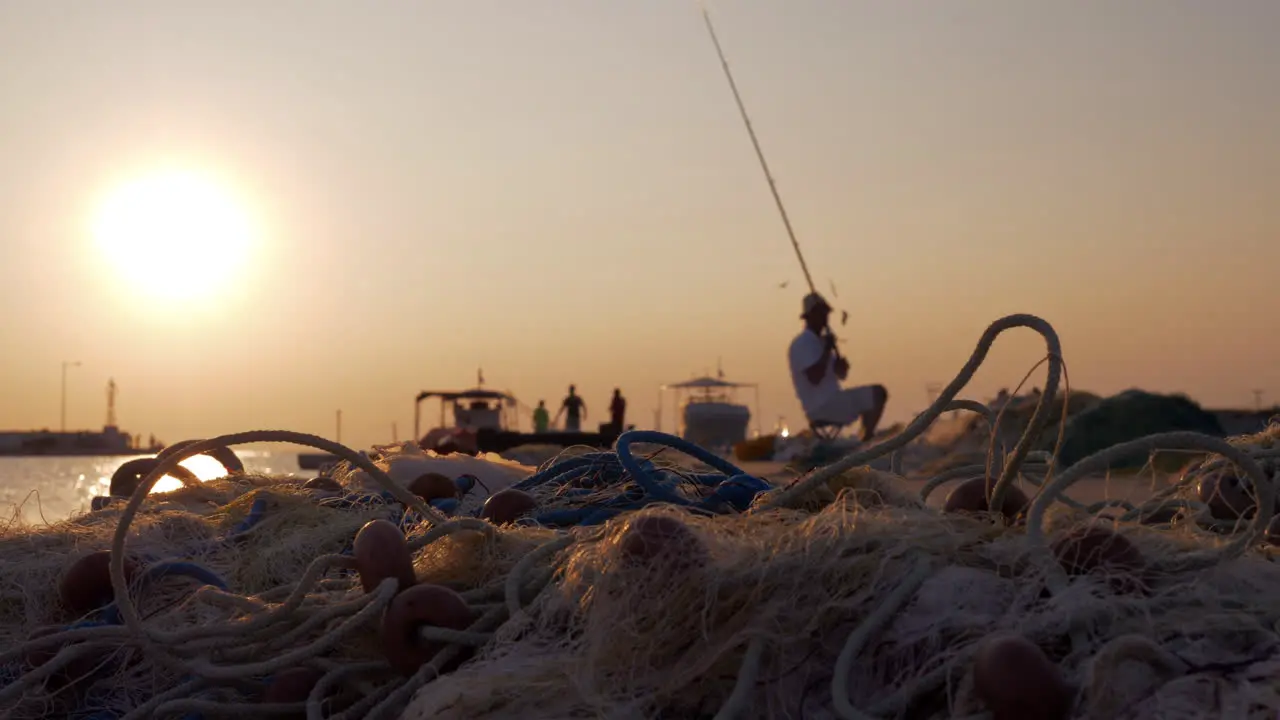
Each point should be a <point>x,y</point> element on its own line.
<point>813,302</point>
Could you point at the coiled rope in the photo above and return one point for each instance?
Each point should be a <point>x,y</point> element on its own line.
<point>593,488</point>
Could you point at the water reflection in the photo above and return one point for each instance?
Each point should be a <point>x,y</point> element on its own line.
<point>53,488</point>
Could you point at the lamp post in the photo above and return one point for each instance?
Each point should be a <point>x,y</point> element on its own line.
<point>63,418</point>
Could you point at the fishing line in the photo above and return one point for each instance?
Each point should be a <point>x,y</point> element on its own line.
<point>764,164</point>
<point>755,142</point>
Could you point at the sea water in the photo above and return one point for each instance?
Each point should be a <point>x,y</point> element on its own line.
<point>49,489</point>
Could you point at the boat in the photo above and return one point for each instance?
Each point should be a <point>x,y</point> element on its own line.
<point>316,460</point>
<point>485,420</point>
<point>473,421</point>
<point>321,460</point>
<point>474,410</point>
<point>710,414</point>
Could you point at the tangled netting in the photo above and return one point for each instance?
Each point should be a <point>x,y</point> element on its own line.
<point>630,589</point>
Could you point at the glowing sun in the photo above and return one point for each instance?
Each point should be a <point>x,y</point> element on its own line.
<point>176,234</point>
<point>204,467</point>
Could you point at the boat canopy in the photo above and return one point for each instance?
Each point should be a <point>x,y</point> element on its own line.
<point>706,383</point>
<point>473,394</point>
<point>705,389</point>
<point>481,415</point>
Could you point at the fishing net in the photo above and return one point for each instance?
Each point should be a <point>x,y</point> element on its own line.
<point>844,593</point>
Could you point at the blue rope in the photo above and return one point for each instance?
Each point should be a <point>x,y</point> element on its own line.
<point>256,513</point>
<point>590,461</point>
<point>602,485</point>
<point>110,615</point>
<point>653,437</point>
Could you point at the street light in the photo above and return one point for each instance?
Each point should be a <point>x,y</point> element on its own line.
<point>65,364</point>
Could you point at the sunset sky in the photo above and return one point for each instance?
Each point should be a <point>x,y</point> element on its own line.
<point>562,191</point>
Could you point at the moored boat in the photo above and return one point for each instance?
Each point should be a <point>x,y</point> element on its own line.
<point>710,414</point>
<point>484,421</point>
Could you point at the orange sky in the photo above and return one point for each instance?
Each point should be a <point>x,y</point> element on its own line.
<point>562,192</point>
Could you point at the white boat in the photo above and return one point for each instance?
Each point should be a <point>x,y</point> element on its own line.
<point>710,414</point>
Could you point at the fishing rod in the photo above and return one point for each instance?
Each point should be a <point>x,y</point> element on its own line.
<point>764,164</point>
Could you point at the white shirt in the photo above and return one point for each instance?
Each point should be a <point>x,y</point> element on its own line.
<point>806,350</point>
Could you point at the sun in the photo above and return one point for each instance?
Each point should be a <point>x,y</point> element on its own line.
<point>175,234</point>
<point>204,467</point>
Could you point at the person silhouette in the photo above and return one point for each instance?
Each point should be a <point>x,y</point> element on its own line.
<point>618,410</point>
<point>816,372</point>
<point>574,411</point>
<point>541,418</point>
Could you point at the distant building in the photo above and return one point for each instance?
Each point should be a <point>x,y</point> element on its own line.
<point>110,441</point>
